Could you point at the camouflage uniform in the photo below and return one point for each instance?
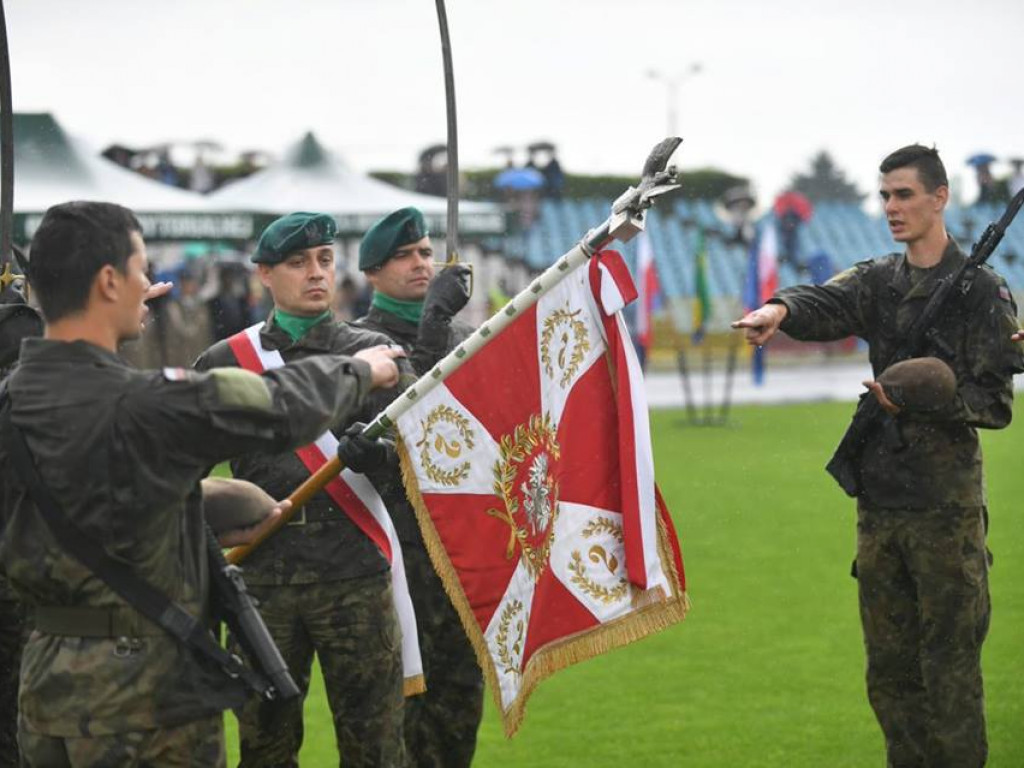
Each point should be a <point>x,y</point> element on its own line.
<point>323,588</point>
<point>16,322</point>
<point>440,725</point>
<point>122,452</point>
<point>921,560</point>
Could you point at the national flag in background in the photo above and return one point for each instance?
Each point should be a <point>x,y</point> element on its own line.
<point>702,306</point>
<point>535,493</point>
<point>762,282</point>
<point>649,290</point>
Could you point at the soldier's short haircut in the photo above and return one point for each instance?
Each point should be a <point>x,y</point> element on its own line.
<point>930,169</point>
<point>75,241</point>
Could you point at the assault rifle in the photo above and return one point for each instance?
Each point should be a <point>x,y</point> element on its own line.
<point>870,415</point>
<point>233,605</point>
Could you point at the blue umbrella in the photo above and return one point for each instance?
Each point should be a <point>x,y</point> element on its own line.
<point>981,159</point>
<point>519,178</point>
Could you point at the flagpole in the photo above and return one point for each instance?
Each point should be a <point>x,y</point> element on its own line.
<point>627,219</point>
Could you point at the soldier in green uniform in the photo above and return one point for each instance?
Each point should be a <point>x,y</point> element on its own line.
<point>122,452</point>
<point>324,587</point>
<point>416,309</point>
<point>921,563</point>
<point>17,321</point>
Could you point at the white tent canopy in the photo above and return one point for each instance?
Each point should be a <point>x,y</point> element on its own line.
<point>310,178</point>
<point>50,168</point>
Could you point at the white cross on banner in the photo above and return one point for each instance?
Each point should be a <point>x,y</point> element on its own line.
<point>531,471</point>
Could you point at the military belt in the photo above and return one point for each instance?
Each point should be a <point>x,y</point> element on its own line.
<point>93,622</point>
<point>319,514</point>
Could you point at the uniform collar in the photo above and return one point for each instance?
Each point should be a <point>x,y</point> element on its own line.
<point>952,258</point>
<point>318,338</point>
<point>39,350</point>
<point>390,320</point>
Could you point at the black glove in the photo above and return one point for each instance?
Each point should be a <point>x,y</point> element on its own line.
<point>360,454</point>
<point>448,293</point>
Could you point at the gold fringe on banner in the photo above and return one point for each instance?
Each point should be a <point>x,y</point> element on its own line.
<point>653,612</point>
<point>414,686</point>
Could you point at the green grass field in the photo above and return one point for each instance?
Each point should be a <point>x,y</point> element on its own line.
<point>767,670</point>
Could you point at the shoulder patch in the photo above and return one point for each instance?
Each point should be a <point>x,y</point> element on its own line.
<point>238,388</point>
<point>176,374</point>
<point>842,277</point>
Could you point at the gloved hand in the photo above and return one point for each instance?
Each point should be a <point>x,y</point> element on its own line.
<point>448,293</point>
<point>360,454</point>
<point>446,296</point>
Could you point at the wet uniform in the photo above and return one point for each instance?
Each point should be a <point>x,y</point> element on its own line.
<point>122,452</point>
<point>324,588</point>
<point>921,558</point>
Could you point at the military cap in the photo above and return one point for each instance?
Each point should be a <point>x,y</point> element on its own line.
<point>919,384</point>
<point>229,504</point>
<point>294,232</point>
<point>387,235</point>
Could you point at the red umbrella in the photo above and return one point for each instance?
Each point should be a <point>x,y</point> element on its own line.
<point>793,202</point>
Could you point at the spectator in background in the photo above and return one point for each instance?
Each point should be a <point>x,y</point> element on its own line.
<point>230,308</point>
<point>346,298</point>
<point>165,170</point>
<point>201,180</point>
<point>554,178</point>
<point>189,327</point>
<point>1016,180</point>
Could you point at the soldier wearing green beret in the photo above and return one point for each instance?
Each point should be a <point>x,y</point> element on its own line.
<point>122,452</point>
<point>323,586</point>
<point>922,566</point>
<point>416,308</point>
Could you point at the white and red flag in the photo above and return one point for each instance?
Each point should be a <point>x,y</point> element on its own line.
<point>531,471</point>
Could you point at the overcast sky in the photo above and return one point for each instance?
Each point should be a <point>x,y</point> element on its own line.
<point>779,79</point>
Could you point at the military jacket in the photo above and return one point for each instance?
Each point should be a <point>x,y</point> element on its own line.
<point>940,462</point>
<point>323,544</point>
<point>389,484</point>
<point>122,452</point>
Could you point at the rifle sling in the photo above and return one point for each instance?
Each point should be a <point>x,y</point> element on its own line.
<point>119,577</point>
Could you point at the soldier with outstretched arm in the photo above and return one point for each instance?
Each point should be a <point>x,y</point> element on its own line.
<point>120,453</point>
<point>922,564</point>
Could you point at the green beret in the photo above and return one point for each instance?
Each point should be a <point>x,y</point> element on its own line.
<point>919,384</point>
<point>387,235</point>
<point>294,232</point>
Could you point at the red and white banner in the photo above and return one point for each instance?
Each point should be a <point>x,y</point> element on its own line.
<point>531,471</point>
<point>357,498</point>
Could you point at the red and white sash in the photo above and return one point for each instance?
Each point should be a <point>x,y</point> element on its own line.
<point>357,497</point>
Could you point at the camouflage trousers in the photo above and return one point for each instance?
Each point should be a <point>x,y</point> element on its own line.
<point>441,724</point>
<point>12,638</point>
<point>352,627</point>
<point>924,605</point>
<point>199,744</point>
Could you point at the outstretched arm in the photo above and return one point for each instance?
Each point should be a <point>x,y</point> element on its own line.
<point>761,324</point>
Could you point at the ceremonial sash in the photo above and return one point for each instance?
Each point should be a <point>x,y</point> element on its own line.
<point>357,498</point>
